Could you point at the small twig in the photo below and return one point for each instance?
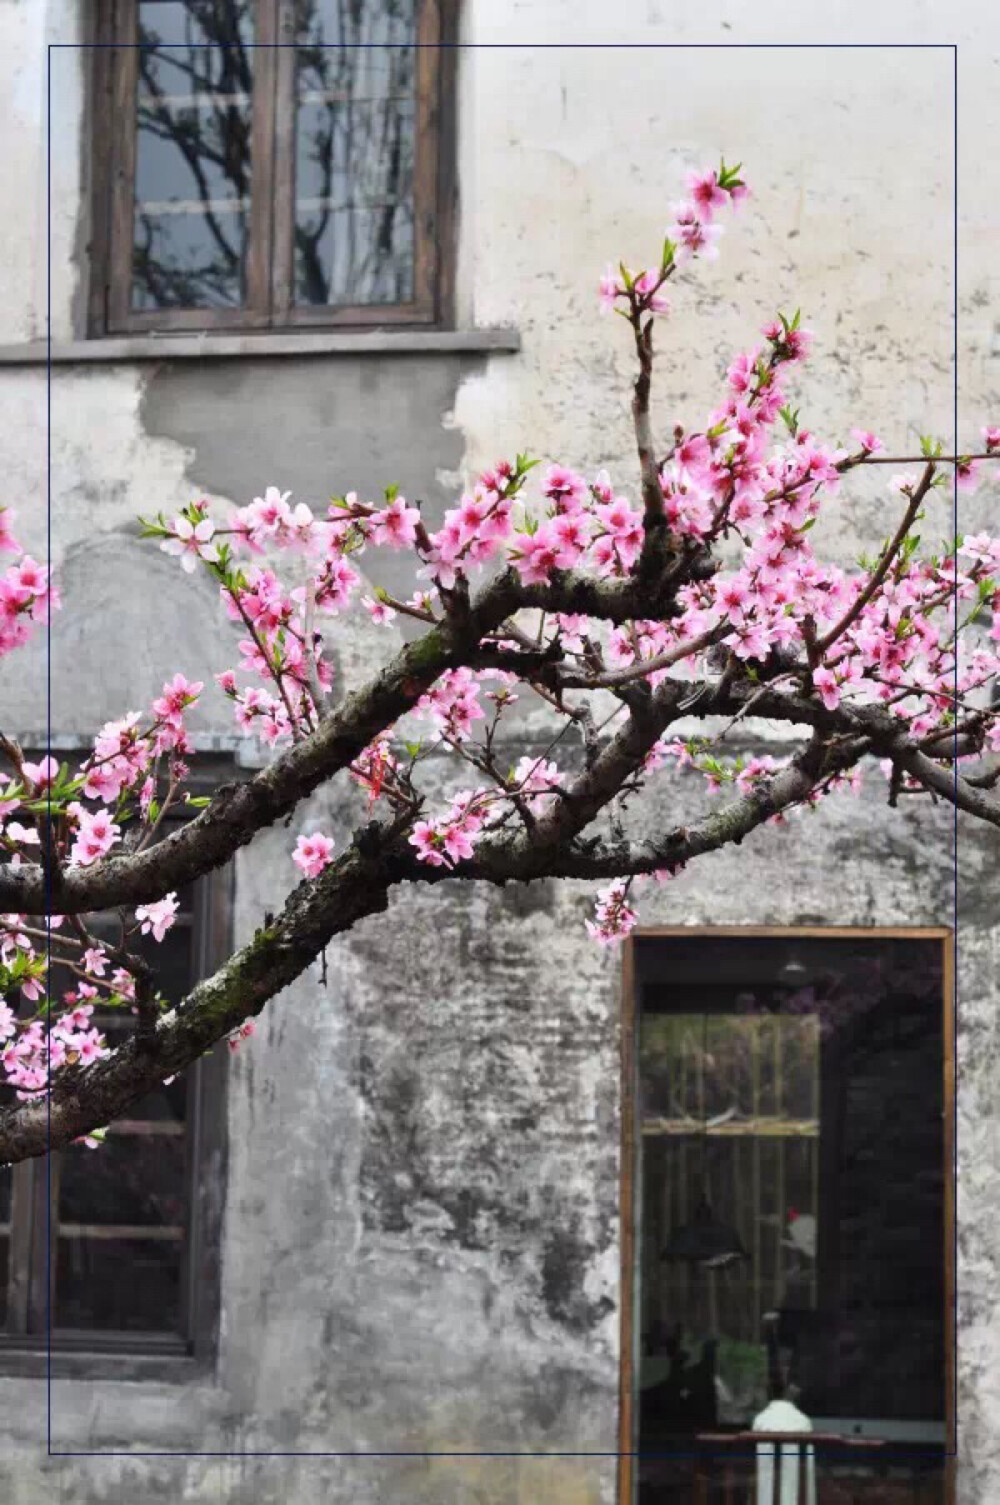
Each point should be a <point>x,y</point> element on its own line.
<point>883,566</point>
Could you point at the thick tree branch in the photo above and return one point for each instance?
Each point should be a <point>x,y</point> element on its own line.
<point>949,783</point>
<point>356,886</point>
<point>239,811</point>
<point>88,1098</point>
<point>601,860</point>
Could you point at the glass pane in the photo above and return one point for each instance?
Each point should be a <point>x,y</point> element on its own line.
<point>790,1105</point>
<point>118,1284</point>
<point>354,152</point>
<point>192,177</point>
<point>137,1179</point>
<point>730,1116</point>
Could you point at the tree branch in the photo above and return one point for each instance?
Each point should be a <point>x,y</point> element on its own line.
<point>239,811</point>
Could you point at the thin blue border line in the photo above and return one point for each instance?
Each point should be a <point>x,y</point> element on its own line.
<point>890,1450</point>
<point>953,1168</point>
<point>887,1453</point>
<point>48,749</point>
<point>547,46</point>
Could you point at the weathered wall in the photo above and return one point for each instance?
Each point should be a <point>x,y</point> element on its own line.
<point>421,1242</point>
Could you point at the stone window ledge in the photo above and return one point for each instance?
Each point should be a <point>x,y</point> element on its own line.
<point>151,1368</point>
<point>217,346</point>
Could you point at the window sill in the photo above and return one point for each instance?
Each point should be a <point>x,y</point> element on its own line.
<point>215,346</point>
<point>177,1368</point>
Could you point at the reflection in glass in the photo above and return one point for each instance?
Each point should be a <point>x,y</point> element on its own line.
<point>121,1212</point>
<point>799,1085</point>
<point>730,1111</point>
<point>117,1284</point>
<point>354,156</point>
<point>192,177</point>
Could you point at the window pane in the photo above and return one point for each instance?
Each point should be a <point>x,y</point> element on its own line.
<point>118,1284</point>
<point>136,1178</point>
<point>795,1087</point>
<point>122,1209</point>
<point>192,177</point>
<point>355,130</point>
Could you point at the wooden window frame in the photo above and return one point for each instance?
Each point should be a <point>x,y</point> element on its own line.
<point>93,1353</point>
<point>270,303</point>
<point>629,1148</point>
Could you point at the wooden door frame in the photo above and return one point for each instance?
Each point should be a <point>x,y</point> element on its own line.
<point>629,1139</point>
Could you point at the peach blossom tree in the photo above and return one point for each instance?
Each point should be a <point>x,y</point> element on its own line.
<point>696,595</point>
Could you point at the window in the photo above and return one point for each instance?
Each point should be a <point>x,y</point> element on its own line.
<point>271,163</point>
<point>787,1201</point>
<point>128,1234</point>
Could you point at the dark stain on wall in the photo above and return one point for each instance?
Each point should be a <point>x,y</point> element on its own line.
<point>319,426</point>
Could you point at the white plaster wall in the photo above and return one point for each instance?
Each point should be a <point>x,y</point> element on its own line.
<point>577,150</point>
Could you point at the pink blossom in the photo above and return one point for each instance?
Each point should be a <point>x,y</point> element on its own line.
<point>428,844</point>
<point>613,918</point>
<point>95,961</point>
<point>693,234</point>
<point>25,835</point>
<point>177,695</point>
<point>158,918</point>
<point>8,543</point>
<point>313,853</point>
<point>706,195</point>
<point>967,474</point>
<point>246,1029</point>
<point>647,287</point>
<point>457,843</point>
<point>42,775</point>
<point>536,555</point>
<point>96,835</point>
<point>825,681</point>
<point>742,370</point>
<point>123,983</point>
<point>396,524</point>
<point>868,441</point>
<point>379,611</point>
<point>191,542</point>
<point>564,487</point>
<point>609,289</point>
<point>30,576</point>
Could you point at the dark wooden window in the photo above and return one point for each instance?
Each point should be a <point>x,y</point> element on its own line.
<point>788,1221</point>
<point>271,163</point>
<point>127,1235</point>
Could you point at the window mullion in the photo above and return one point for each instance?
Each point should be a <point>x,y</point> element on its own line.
<point>425,184</point>
<point>19,1271</point>
<point>44,1242</point>
<point>125,65</point>
<point>258,306</point>
<point>283,199</point>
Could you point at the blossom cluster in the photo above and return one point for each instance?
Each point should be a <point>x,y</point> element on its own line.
<point>27,594</point>
<point>911,632</point>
